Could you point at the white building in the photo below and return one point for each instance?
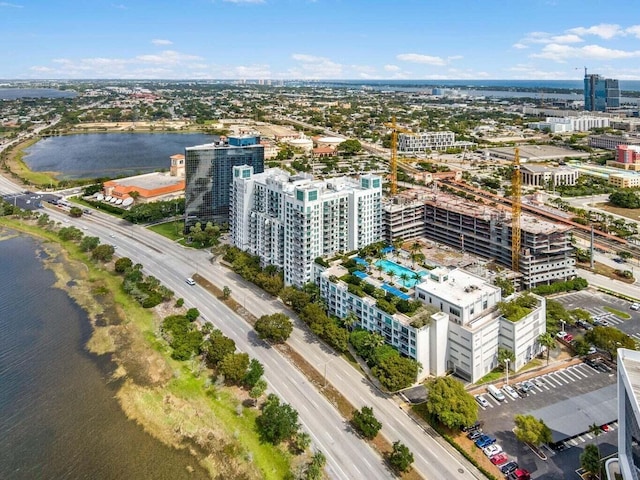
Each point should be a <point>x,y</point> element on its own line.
<point>425,141</point>
<point>476,327</point>
<point>463,337</point>
<point>289,221</point>
<point>571,124</point>
<point>537,175</point>
<point>628,412</point>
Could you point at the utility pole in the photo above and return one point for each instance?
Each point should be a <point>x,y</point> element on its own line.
<point>592,247</point>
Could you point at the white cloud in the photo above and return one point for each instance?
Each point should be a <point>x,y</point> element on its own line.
<point>159,41</point>
<point>392,68</point>
<point>568,38</point>
<point>561,53</point>
<point>634,30</point>
<point>168,57</point>
<point>519,46</point>
<point>419,58</point>
<point>312,67</point>
<point>604,30</point>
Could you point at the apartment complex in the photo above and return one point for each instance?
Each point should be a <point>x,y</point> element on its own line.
<point>600,94</point>
<point>289,221</point>
<point>546,255</point>
<point>464,335</point>
<point>209,170</point>
<point>571,124</point>
<point>425,142</point>
<point>627,158</point>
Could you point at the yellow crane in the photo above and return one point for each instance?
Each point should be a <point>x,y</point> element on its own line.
<point>516,207</point>
<point>393,163</point>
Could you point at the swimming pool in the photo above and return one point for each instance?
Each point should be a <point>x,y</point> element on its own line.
<point>399,270</point>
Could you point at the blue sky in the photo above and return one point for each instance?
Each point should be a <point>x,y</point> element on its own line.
<point>319,39</point>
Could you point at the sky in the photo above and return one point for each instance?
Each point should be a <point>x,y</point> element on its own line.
<point>319,39</point>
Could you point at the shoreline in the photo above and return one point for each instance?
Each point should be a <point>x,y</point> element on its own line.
<point>167,399</point>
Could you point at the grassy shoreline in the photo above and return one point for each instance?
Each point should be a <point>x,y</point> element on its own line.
<point>173,401</point>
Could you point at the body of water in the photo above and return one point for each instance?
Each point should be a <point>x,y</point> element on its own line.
<point>14,93</point>
<point>97,155</point>
<point>58,415</point>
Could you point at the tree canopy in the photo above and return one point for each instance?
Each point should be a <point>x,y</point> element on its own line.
<point>365,422</point>
<point>625,198</point>
<point>277,422</point>
<point>396,372</point>
<point>276,327</point>
<point>400,457</point>
<point>610,339</point>
<point>590,459</point>
<point>531,430</point>
<point>450,403</point>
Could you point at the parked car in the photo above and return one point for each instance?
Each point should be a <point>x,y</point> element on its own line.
<point>519,474</point>
<point>474,434</point>
<point>605,428</point>
<point>477,425</point>
<point>592,350</point>
<point>484,441</point>
<point>522,391</point>
<point>561,334</point>
<point>509,390</point>
<point>499,458</point>
<point>635,306</point>
<point>507,468</point>
<point>492,450</point>
<point>483,402</point>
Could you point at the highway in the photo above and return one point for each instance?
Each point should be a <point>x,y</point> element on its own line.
<point>348,456</point>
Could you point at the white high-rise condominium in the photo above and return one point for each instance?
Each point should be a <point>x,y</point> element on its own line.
<point>289,221</point>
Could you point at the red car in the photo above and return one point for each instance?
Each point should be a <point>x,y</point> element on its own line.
<point>499,458</point>
<point>605,428</point>
<point>568,337</point>
<point>522,474</point>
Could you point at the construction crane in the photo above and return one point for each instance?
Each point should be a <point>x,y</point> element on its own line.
<point>393,163</point>
<point>516,207</point>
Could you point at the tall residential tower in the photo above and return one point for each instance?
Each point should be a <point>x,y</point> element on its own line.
<point>209,170</point>
<point>600,94</point>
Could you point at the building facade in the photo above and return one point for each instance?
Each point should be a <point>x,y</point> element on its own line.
<point>545,176</point>
<point>628,413</point>
<point>209,173</point>
<point>600,94</point>
<point>425,142</point>
<point>627,157</point>
<point>571,124</point>
<point>289,221</point>
<point>610,142</point>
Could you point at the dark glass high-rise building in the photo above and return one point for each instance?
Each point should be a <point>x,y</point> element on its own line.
<point>600,94</point>
<point>209,170</point>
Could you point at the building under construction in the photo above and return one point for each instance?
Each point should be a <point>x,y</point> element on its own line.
<point>546,253</point>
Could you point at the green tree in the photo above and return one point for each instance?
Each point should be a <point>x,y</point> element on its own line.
<point>531,430</point>
<point>396,372</point>
<point>301,442</point>
<point>400,457</point>
<point>192,314</point>
<point>89,243</point>
<point>217,347</point>
<point>258,389</point>
<point>625,255</point>
<point>625,198</point>
<point>275,328</point>
<point>505,285</point>
<point>365,422</point>
<point>590,460</point>
<point>350,319</point>
<point>255,371</point>
<point>234,366</point>
<point>75,212</point>
<point>610,339</point>
<point>504,355</point>
<point>315,467</point>
<point>103,253</point>
<point>547,340</point>
<point>350,147</point>
<point>277,422</point>
<point>296,299</point>
<point>450,403</point>
<point>123,264</point>
<point>226,292</point>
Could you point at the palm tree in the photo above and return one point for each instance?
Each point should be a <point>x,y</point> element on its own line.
<point>547,340</point>
<point>391,274</point>
<point>350,320</point>
<point>404,276</point>
<point>415,246</point>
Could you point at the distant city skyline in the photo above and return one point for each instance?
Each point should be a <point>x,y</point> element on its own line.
<point>319,39</point>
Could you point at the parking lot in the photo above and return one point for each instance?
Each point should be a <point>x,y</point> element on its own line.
<point>594,303</point>
<point>548,389</point>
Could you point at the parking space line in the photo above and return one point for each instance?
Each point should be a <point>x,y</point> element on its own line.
<point>572,374</point>
<point>557,381</point>
<point>588,435</point>
<point>573,442</point>
<point>581,371</point>
<point>564,375</point>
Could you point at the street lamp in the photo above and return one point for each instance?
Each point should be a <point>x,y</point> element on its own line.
<point>562,323</point>
<point>325,371</point>
<point>506,361</point>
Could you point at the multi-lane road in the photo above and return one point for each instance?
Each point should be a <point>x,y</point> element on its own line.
<point>347,455</point>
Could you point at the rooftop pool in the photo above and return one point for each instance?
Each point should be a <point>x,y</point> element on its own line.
<point>398,270</point>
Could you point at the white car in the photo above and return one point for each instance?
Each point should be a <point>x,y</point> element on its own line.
<point>190,281</point>
<point>635,306</point>
<point>492,450</point>
<point>482,401</point>
<point>509,390</point>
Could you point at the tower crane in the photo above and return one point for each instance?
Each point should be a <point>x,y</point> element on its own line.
<point>393,163</point>
<point>516,207</point>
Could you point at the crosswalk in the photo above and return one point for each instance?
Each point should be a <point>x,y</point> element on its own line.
<point>546,382</point>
